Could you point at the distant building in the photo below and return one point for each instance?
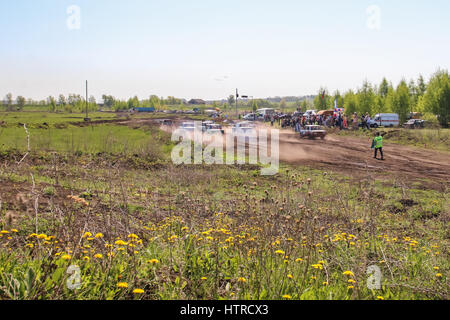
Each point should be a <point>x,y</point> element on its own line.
<point>197,101</point>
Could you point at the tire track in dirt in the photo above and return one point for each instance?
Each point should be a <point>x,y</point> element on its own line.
<point>354,155</point>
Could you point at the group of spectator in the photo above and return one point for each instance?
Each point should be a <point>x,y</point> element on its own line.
<point>332,121</point>
<point>337,120</point>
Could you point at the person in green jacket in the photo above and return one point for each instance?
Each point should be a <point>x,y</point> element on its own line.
<point>378,145</point>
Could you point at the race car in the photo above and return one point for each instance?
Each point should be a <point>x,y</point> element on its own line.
<point>312,132</point>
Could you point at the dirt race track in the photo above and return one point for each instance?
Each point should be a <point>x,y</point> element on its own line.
<point>353,156</point>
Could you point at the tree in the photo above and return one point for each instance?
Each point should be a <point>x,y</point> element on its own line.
<point>231,100</point>
<point>155,102</point>
<point>437,97</point>
<point>62,100</point>
<point>9,105</point>
<point>383,90</point>
<point>92,103</point>
<point>255,106</point>
<point>282,105</point>
<point>381,100</point>
<point>304,105</point>
<point>133,102</point>
<point>350,103</point>
<point>338,98</point>
<point>321,100</point>
<point>413,95</point>
<point>366,98</point>
<point>108,101</point>
<point>20,102</point>
<point>52,104</point>
<point>421,86</point>
<point>401,102</point>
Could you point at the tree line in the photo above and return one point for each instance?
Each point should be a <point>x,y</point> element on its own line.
<point>432,97</point>
<point>406,97</point>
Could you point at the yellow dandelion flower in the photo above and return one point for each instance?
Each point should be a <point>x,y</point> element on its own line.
<point>98,256</point>
<point>122,285</point>
<point>290,276</point>
<point>138,291</point>
<point>87,235</point>
<point>99,235</point>
<point>439,275</point>
<point>42,236</point>
<point>280,252</point>
<point>66,257</point>
<point>14,230</point>
<point>153,261</point>
<point>348,273</point>
<point>286,296</point>
<point>241,279</point>
<point>380,298</point>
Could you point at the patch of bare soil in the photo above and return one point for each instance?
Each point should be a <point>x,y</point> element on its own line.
<point>354,156</point>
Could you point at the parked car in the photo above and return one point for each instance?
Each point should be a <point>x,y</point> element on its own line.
<point>313,132</point>
<point>414,124</point>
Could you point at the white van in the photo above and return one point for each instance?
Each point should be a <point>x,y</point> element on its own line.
<point>266,112</point>
<point>309,113</point>
<point>385,120</point>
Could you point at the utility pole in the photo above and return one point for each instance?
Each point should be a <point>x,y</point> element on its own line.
<point>87,104</point>
<point>237,97</point>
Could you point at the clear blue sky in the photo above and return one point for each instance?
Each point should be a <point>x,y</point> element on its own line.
<point>206,48</point>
